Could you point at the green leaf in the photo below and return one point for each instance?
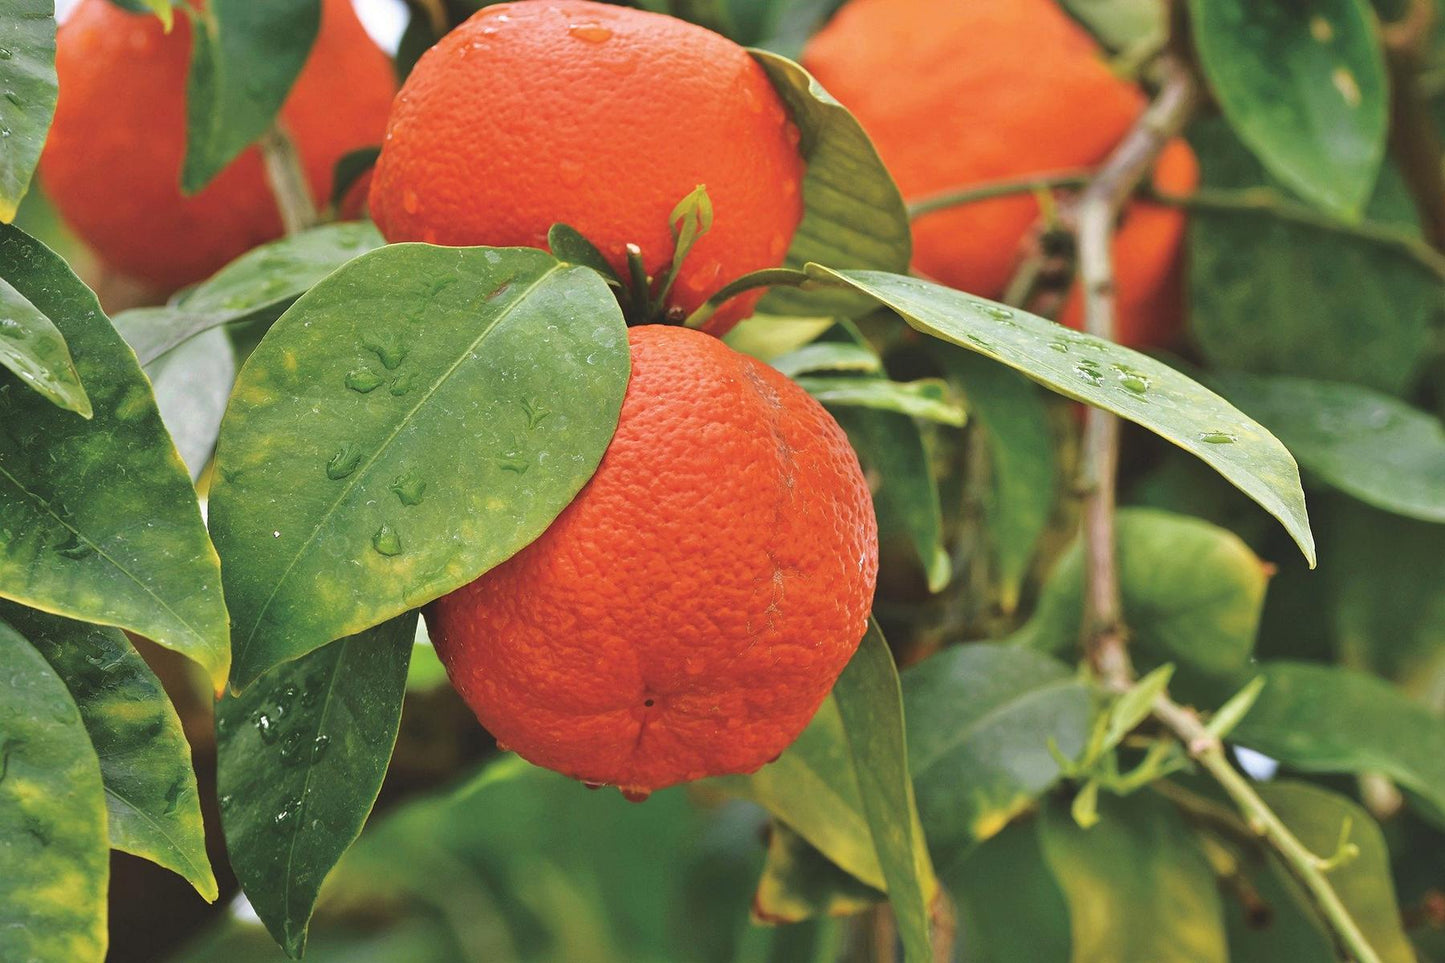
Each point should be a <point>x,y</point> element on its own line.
<point>853,215</point>
<point>34,349</point>
<point>1137,885</point>
<point>71,491</point>
<point>161,8</point>
<point>799,883</point>
<point>259,284</point>
<point>1192,594</point>
<point>870,704</point>
<point>411,421</point>
<point>830,356</point>
<point>1134,706</point>
<point>1122,25</point>
<point>192,384</point>
<point>1009,905</point>
<point>301,756</point>
<point>1108,376</point>
<point>927,399</point>
<point>906,492</point>
<point>153,807</point>
<point>1381,451</point>
<point>1304,86</point>
<point>27,75</point>
<point>812,787</point>
<point>1363,883</point>
<point>1317,718</point>
<point>980,722</point>
<point>52,818</point>
<point>1270,295</point>
<point>245,57</point>
<point>1022,460</point>
<point>567,244</point>
<point>690,219</point>
<point>768,336</point>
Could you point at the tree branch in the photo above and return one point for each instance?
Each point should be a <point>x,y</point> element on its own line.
<point>287,180</point>
<point>1307,869</point>
<point>1098,207</point>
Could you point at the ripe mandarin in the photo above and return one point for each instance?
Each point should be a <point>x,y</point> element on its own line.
<point>686,615</point>
<point>601,117</point>
<point>963,93</point>
<point>112,162</point>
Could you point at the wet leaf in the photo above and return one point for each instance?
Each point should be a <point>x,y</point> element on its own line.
<point>192,384</point>
<point>27,77</point>
<point>301,756</point>
<point>411,421</point>
<point>33,348</point>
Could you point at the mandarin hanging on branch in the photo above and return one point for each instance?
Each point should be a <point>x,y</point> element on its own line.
<point>112,162</point>
<point>687,614</point>
<point>960,94</point>
<point>599,117</point>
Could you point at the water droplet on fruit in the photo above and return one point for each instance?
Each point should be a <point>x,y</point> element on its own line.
<point>363,380</point>
<point>410,202</point>
<point>793,134</point>
<point>1218,437</point>
<point>592,785</point>
<point>570,172</point>
<point>386,541</point>
<point>344,462</point>
<point>590,32</point>
<point>635,795</point>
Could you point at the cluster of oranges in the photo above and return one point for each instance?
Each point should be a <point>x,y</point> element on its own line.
<point>688,612</point>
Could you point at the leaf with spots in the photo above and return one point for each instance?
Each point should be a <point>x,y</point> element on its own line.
<point>145,762</point>
<point>413,420</point>
<point>853,215</point>
<point>1304,85</point>
<point>52,817</point>
<point>27,78</point>
<point>98,519</point>
<point>1106,375</point>
<point>301,756</point>
<point>34,349</point>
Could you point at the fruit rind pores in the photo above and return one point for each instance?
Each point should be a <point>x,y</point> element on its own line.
<point>687,614</point>
<point>603,118</point>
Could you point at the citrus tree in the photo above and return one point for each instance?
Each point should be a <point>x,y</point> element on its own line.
<point>869,434</point>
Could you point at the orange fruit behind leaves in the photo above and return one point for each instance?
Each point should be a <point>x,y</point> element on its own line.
<point>686,615</point>
<point>964,93</point>
<point>112,162</point>
<point>603,118</point>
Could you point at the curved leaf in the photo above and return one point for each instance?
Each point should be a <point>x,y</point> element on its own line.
<point>192,384</point>
<point>27,76</point>
<point>1108,376</point>
<point>853,215</point>
<point>1318,718</point>
<point>301,756</point>
<point>98,519</point>
<point>52,817</point>
<point>411,421</point>
<point>1304,86</point>
<point>870,704</point>
<point>33,347</point>
<point>245,56</point>
<point>259,284</point>
<point>145,762</point>
<point>800,883</point>
<point>1380,450</point>
<point>926,399</point>
<point>1137,884</point>
<point>981,719</point>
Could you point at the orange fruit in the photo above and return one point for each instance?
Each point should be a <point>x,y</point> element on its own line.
<point>600,117</point>
<point>965,93</point>
<point>112,162</point>
<point>689,611</point>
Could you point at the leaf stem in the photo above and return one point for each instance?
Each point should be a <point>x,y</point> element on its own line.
<point>766,278</point>
<point>287,180</point>
<point>1308,869</point>
<point>1097,210</point>
<point>1076,177</point>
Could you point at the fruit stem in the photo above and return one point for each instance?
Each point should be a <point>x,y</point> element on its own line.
<point>766,278</point>
<point>1309,870</point>
<point>1076,177</point>
<point>287,180</point>
<point>1094,215</point>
